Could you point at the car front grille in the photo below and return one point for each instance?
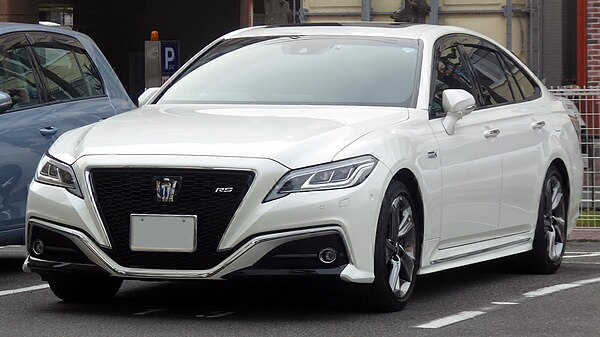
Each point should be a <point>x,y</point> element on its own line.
<point>122,192</point>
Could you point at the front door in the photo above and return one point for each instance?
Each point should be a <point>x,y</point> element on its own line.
<point>27,130</point>
<point>471,162</point>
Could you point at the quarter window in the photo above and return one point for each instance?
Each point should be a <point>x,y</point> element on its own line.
<point>69,73</point>
<point>17,78</point>
<point>493,83</point>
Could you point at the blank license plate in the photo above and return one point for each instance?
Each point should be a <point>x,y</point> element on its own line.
<point>163,233</point>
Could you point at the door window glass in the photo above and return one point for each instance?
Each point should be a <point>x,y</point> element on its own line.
<point>69,73</point>
<point>450,74</point>
<point>17,78</point>
<point>490,74</point>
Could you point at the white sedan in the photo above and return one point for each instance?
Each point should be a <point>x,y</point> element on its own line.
<point>368,153</point>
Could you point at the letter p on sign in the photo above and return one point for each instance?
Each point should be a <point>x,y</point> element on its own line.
<point>169,57</point>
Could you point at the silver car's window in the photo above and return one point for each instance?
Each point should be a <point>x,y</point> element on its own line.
<point>69,73</point>
<point>17,78</point>
<point>302,70</point>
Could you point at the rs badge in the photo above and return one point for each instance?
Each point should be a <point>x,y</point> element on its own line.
<point>167,188</point>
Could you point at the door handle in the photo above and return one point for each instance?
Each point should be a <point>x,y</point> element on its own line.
<point>538,125</point>
<point>493,133</point>
<point>48,131</point>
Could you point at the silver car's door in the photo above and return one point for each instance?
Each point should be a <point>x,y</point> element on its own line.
<point>26,131</point>
<point>470,158</point>
<point>74,85</point>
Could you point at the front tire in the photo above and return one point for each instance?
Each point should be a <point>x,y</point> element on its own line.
<point>551,229</point>
<point>397,251</point>
<point>85,289</point>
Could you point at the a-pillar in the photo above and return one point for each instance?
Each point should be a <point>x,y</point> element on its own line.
<point>19,11</point>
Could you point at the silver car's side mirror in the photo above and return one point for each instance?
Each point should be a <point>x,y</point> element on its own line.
<point>457,103</point>
<point>5,102</point>
<point>147,95</point>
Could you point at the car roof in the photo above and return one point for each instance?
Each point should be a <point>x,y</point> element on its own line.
<point>9,27</point>
<point>375,29</point>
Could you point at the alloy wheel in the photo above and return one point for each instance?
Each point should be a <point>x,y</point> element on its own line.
<point>401,246</point>
<point>554,218</point>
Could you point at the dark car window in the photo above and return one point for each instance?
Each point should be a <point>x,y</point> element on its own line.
<point>68,72</point>
<point>302,70</point>
<point>17,78</point>
<point>525,84</point>
<point>450,73</point>
<point>491,77</point>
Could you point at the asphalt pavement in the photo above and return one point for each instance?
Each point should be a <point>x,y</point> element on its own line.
<point>488,299</point>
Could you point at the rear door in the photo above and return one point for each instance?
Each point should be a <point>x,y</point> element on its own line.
<point>511,96</point>
<point>27,130</point>
<point>75,88</point>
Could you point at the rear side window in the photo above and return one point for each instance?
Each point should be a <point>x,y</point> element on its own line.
<point>68,72</point>
<point>490,74</point>
<point>525,84</point>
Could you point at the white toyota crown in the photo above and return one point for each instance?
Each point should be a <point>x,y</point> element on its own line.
<point>370,153</point>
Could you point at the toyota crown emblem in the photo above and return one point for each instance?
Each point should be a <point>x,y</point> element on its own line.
<point>167,188</point>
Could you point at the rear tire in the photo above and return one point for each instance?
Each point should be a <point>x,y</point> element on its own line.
<point>397,251</point>
<point>551,229</point>
<point>85,289</point>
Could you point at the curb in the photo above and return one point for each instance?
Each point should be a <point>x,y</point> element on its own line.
<point>584,235</point>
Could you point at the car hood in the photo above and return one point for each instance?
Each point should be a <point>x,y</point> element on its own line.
<point>294,136</point>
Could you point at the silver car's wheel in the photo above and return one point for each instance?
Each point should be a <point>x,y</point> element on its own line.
<point>397,251</point>
<point>551,231</point>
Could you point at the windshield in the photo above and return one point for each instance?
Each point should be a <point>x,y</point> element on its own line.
<point>302,70</point>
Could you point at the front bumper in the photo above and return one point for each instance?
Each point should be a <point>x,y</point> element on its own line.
<point>241,259</point>
<point>256,228</point>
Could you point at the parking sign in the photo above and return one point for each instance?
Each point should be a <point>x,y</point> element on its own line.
<point>170,57</point>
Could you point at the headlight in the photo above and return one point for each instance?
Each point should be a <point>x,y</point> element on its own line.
<point>340,174</point>
<point>53,172</point>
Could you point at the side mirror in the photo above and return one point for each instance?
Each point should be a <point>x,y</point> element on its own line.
<point>5,101</point>
<point>457,103</point>
<point>147,95</point>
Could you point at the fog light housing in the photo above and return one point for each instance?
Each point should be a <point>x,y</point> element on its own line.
<point>38,247</point>
<point>328,255</point>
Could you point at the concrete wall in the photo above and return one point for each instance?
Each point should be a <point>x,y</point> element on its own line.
<point>19,11</point>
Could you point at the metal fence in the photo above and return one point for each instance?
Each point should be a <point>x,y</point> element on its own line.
<point>588,103</point>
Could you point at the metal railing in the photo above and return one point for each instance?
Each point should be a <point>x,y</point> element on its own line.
<point>587,101</point>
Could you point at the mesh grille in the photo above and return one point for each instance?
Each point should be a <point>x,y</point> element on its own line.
<point>122,192</point>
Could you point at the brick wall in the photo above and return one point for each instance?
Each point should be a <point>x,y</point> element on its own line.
<point>593,42</point>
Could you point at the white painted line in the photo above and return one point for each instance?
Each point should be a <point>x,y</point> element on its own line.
<point>505,303</point>
<point>462,316</point>
<point>588,281</point>
<point>148,312</point>
<point>582,255</point>
<point>23,290</point>
<point>582,262</point>
<point>550,290</point>
<point>216,314</point>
